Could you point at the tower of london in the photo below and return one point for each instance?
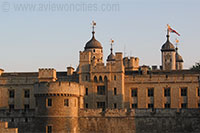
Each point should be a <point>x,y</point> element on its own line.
<point>118,95</point>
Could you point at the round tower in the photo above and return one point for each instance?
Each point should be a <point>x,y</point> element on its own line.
<point>57,105</point>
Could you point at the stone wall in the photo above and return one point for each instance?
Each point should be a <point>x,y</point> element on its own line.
<point>112,120</point>
<point>140,120</point>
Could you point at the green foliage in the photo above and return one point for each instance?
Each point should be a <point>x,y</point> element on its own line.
<point>196,66</point>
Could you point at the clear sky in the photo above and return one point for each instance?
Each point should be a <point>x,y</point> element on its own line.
<point>50,33</point>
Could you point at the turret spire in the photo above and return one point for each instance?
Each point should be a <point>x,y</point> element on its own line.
<point>93,26</point>
<point>111,49</point>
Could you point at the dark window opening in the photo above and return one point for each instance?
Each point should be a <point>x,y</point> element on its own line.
<point>115,91</point>
<point>100,79</point>
<point>115,105</point>
<point>184,105</point>
<point>26,107</point>
<point>26,93</point>
<point>66,102</point>
<point>101,90</point>
<point>183,91</point>
<point>49,102</point>
<point>134,106</point>
<point>167,92</point>
<point>86,91</point>
<point>150,92</point>
<point>150,105</point>
<point>11,107</point>
<point>101,105</point>
<point>49,129</point>
<point>95,79</point>
<point>11,93</point>
<point>115,77</point>
<point>167,105</point>
<point>134,92</point>
<point>86,105</point>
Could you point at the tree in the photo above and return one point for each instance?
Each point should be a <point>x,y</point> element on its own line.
<point>196,66</point>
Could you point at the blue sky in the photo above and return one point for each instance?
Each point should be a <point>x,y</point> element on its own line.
<point>51,37</point>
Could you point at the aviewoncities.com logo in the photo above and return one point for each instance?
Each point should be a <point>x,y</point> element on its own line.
<point>59,6</point>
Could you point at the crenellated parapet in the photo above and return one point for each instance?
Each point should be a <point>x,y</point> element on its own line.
<point>131,64</point>
<point>59,88</point>
<point>47,74</point>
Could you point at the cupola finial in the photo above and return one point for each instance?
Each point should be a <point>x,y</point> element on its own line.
<point>111,44</point>
<point>168,31</point>
<point>177,41</point>
<point>93,26</point>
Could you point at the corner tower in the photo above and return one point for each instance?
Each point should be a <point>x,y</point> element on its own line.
<point>168,55</point>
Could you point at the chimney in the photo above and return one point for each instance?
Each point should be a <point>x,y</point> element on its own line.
<point>70,70</point>
<point>1,71</point>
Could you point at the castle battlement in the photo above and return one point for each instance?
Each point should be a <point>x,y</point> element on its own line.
<point>60,88</point>
<point>47,74</point>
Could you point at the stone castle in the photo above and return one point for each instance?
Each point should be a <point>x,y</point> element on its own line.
<point>116,96</point>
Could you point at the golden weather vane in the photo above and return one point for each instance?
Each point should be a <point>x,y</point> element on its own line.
<point>177,42</point>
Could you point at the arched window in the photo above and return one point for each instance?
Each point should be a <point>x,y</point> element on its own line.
<point>105,79</point>
<point>95,79</point>
<point>100,79</point>
<point>93,50</point>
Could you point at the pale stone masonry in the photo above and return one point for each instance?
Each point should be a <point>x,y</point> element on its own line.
<point>4,128</point>
<point>116,96</point>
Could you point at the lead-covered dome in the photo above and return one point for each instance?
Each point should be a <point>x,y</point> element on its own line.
<point>179,58</point>
<point>168,46</point>
<point>111,57</point>
<point>93,43</point>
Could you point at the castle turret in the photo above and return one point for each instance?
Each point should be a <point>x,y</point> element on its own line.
<point>94,46</point>
<point>111,57</point>
<point>92,55</point>
<point>168,55</point>
<point>179,61</point>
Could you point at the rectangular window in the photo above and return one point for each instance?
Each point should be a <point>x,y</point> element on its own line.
<point>150,105</point>
<point>49,102</point>
<point>167,105</point>
<point>100,104</point>
<point>115,105</point>
<point>183,91</point>
<point>150,92</point>
<point>66,102</point>
<point>86,91</point>
<point>198,105</point>
<point>198,91</point>
<point>26,106</point>
<point>134,92</point>
<point>11,107</point>
<point>49,129</point>
<point>184,105</point>
<point>26,93</point>
<point>101,90</point>
<point>115,91</point>
<point>86,105</point>
<point>134,106</point>
<point>167,92</point>
<point>12,93</point>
